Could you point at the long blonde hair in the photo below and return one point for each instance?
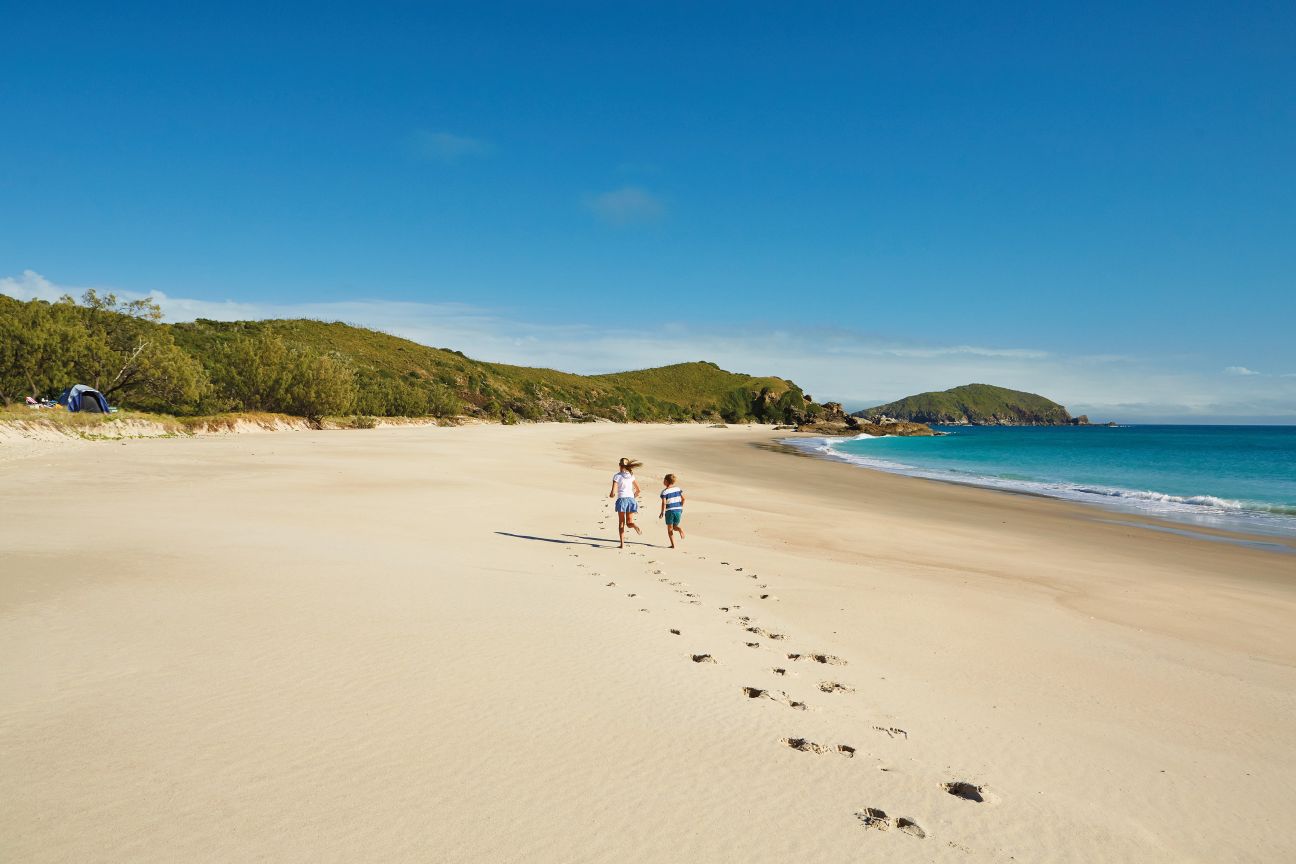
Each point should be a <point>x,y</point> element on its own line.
<point>628,465</point>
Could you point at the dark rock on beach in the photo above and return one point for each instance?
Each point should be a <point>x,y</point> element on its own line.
<point>847,425</point>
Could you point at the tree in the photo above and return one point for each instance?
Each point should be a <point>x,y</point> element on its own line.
<point>128,352</point>
<point>40,344</point>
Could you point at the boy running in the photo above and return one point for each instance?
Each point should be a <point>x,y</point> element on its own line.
<point>672,509</point>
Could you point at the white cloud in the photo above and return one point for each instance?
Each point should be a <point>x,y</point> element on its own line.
<point>445,146</point>
<point>842,365</point>
<point>1239,370</point>
<point>626,206</point>
<point>30,285</point>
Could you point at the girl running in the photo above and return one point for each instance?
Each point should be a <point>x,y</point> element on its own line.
<point>625,489</point>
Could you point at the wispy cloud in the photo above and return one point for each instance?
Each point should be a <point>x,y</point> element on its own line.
<point>627,205</point>
<point>1239,370</point>
<point>853,368</point>
<point>446,147</point>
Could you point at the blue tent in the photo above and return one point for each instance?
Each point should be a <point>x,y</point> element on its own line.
<point>79,397</point>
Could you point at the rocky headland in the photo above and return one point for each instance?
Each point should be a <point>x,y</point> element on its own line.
<point>975,405</point>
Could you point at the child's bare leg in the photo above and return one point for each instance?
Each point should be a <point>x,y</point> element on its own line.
<point>621,522</point>
<point>681,531</point>
<point>670,537</point>
<point>631,523</point>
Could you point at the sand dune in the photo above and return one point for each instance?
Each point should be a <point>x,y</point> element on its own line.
<point>421,644</point>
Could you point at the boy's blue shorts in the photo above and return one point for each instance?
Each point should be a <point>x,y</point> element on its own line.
<point>673,517</point>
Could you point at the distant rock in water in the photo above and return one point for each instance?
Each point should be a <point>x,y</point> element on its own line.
<point>975,405</point>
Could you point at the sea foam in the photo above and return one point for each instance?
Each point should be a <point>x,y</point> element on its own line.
<point>1199,509</point>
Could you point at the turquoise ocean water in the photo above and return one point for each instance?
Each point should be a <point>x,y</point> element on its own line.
<point>1233,477</point>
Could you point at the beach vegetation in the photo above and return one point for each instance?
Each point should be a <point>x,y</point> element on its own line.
<point>318,369</point>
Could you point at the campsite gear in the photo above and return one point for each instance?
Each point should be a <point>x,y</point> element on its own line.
<point>81,397</point>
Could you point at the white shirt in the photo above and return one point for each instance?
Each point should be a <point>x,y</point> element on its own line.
<point>625,484</point>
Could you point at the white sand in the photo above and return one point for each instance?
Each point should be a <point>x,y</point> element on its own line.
<point>342,646</point>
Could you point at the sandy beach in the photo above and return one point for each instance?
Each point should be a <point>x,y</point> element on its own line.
<point>421,644</point>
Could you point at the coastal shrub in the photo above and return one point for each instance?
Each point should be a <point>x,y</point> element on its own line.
<point>118,347</point>
<point>39,347</point>
<point>735,406</point>
<point>443,402</point>
<point>388,397</point>
<point>264,373</point>
<point>131,358</point>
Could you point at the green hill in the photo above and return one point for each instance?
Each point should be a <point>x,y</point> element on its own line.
<point>977,405</point>
<point>310,368</point>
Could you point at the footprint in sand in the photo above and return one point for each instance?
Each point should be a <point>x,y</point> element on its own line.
<point>872,817</point>
<point>779,670</point>
<point>761,631</point>
<point>893,732</point>
<point>674,632</point>
<point>703,658</point>
<point>910,827</point>
<point>759,693</point>
<point>828,659</point>
<point>752,644</point>
<point>966,791</point>
<point>807,746</point>
<point>610,585</point>
<point>834,687</point>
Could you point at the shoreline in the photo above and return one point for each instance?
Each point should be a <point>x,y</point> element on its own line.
<point>1273,532</point>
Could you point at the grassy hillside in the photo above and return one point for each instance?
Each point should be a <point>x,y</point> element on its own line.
<point>686,391</point>
<point>295,366</point>
<point>976,404</point>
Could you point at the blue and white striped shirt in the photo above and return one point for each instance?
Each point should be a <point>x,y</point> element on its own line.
<point>674,498</point>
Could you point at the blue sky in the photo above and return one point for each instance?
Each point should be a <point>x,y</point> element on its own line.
<point>1097,202</point>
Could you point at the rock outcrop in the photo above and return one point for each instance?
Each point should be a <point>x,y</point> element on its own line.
<point>841,423</point>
